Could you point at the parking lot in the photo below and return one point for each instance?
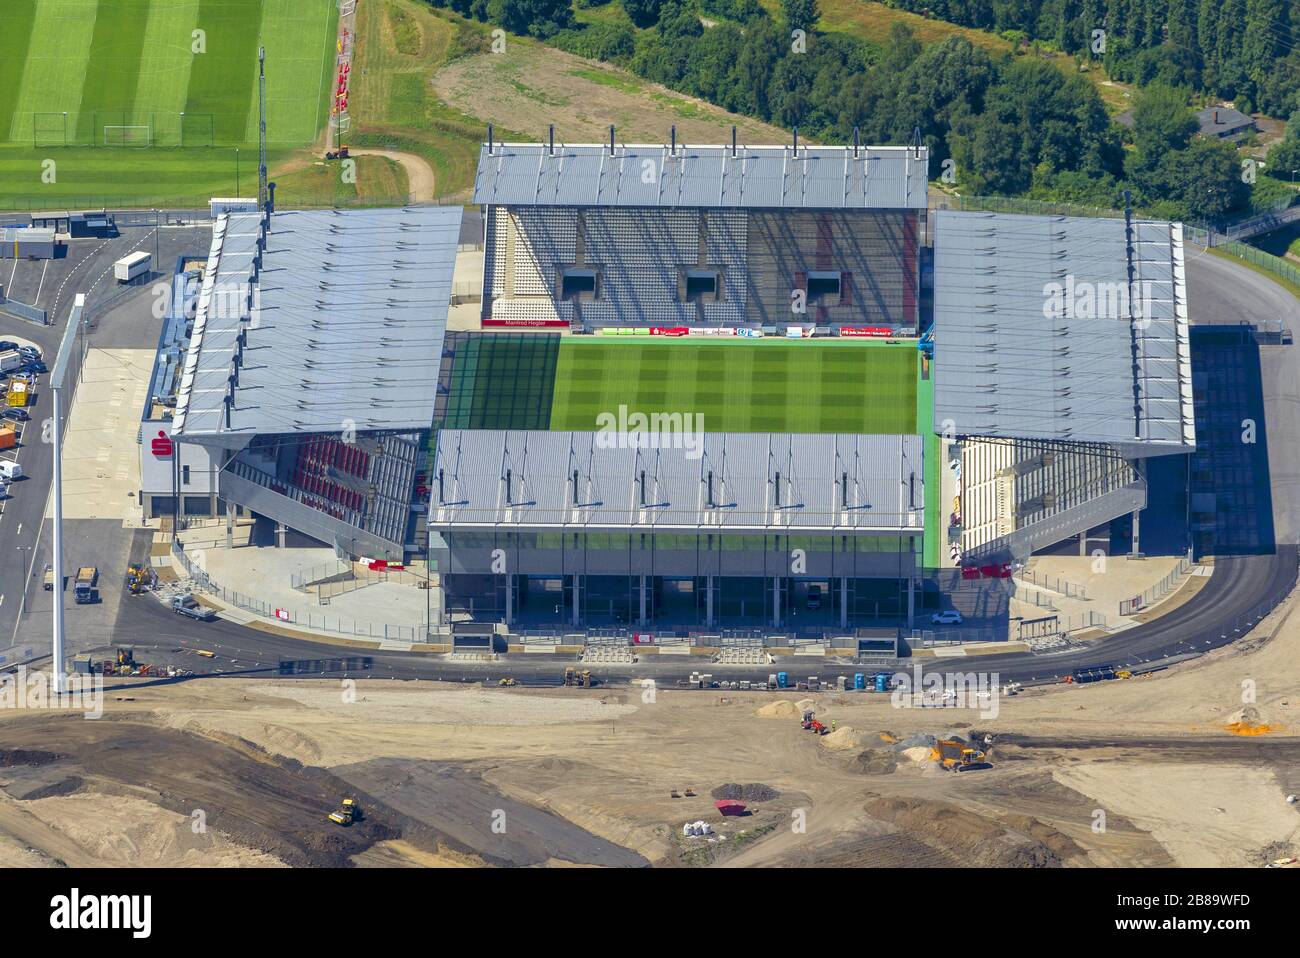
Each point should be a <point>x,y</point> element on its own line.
<point>100,453</point>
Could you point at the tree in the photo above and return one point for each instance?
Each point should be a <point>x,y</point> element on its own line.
<point>644,13</point>
<point>800,14</point>
<point>1283,161</point>
<point>1162,124</point>
<point>537,18</point>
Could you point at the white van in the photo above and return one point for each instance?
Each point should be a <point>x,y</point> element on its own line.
<point>9,471</point>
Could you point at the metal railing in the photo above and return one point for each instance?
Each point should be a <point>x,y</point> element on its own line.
<point>318,622</point>
<point>1052,583</point>
<point>1158,591</point>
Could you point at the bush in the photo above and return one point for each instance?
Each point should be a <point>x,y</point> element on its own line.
<point>611,42</point>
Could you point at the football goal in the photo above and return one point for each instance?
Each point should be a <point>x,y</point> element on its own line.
<point>141,136</point>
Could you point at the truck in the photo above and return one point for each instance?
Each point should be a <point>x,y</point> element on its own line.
<point>955,756</point>
<point>189,607</point>
<point>10,360</point>
<point>83,588</point>
<point>132,266</point>
<point>10,470</point>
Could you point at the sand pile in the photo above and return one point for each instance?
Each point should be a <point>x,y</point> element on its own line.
<point>845,737</point>
<point>1249,721</point>
<point>782,709</point>
<point>918,754</point>
<point>749,792</point>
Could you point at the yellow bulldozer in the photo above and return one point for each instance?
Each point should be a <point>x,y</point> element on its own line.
<point>958,757</point>
<point>347,813</point>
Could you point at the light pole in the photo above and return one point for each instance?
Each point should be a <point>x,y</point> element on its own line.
<point>57,377</point>
<point>236,171</point>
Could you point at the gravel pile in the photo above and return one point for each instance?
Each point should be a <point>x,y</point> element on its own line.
<point>751,792</point>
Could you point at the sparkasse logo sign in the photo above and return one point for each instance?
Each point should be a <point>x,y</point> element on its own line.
<point>76,911</point>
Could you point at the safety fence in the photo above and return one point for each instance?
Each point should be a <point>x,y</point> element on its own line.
<point>318,622</point>
<point>1158,591</point>
<point>1053,583</point>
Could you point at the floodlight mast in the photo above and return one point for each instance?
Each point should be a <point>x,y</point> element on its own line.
<point>262,192</point>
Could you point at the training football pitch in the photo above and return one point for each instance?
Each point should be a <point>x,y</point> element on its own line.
<point>741,386</point>
<point>184,68</point>
<point>157,92</point>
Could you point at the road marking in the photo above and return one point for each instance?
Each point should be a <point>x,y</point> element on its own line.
<point>42,285</point>
<point>20,530</point>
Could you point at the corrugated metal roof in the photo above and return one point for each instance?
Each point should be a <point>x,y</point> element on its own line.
<point>1037,335</point>
<point>763,177</point>
<point>759,482</point>
<point>341,326</point>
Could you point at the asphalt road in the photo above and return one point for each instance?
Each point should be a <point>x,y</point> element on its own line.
<point>24,540</point>
<point>1220,291</point>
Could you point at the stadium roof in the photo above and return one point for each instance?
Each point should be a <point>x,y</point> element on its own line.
<point>762,177</point>
<point>1037,335</point>
<point>525,479</point>
<point>342,324</point>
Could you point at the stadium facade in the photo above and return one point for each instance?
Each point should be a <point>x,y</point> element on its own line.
<point>312,367</point>
<point>1062,363</point>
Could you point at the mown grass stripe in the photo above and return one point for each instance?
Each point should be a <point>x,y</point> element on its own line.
<point>15,41</point>
<point>223,80</point>
<point>56,62</point>
<point>113,69</point>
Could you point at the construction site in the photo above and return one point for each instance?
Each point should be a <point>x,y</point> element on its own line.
<point>1167,769</point>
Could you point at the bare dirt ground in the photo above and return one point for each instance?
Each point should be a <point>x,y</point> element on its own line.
<point>1189,767</point>
<point>528,86</point>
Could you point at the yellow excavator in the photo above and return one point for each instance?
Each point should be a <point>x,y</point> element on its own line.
<point>347,813</point>
<point>957,757</point>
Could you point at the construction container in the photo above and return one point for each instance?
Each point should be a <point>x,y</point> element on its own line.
<point>132,266</point>
<point>8,439</point>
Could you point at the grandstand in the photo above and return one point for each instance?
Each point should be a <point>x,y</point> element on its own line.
<point>1062,361</point>
<point>312,367</point>
<point>594,236</point>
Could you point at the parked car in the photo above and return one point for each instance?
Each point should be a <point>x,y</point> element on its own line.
<point>189,606</point>
<point>814,597</point>
<point>7,344</point>
<point>14,413</point>
<point>947,617</point>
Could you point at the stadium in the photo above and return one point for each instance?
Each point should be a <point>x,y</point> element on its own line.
<point>595,443</point>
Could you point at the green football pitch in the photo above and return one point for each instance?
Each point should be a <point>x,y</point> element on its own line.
<point>741,386</point>
<point>162,72</point>
<point>103,101</point>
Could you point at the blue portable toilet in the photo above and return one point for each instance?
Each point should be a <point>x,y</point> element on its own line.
<point>882,682</point>
<point>859,681</point>
<point>782,680</point>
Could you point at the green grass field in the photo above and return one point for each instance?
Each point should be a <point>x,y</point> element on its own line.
<point>758,386</point>
<point>75,73</point>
